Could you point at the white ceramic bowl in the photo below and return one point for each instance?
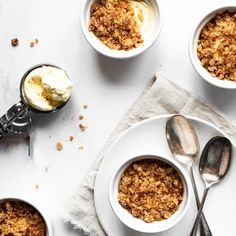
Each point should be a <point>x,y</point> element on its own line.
<point>193,50</point>
<point>99,46</point>
<point>136,223</point>
<point>35,206</point>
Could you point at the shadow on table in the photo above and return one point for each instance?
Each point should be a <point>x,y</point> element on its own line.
<point>121,70</point>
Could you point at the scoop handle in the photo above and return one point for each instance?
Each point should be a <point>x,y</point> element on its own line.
<point>12,114</point>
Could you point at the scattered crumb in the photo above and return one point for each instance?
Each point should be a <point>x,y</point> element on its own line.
<point>59,146</point>
<point>81,147</point>
<point>14,42</point>
<point>27,139</point>
<point>71,138</point>
<point>37,186</point>
<point>31,44</point>
<point>81,117</point>
<point>83,127</point>
<point>46,168</point>
<point>36,41</point>
<point>85,107</point>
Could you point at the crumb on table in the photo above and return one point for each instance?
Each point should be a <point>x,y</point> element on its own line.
<point>14,42</point>
<point>59,146</point>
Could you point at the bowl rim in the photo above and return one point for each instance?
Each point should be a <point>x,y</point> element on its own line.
<point>115,54</point>
<point>36,207</point>
<point>152,229</point>
<point>226,84</point>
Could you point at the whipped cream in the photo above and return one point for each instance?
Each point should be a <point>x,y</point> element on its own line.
<point>145,16</point>
<point>46,88</point>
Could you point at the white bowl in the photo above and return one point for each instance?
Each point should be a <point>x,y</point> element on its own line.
<point>193,50</point>
<point>136,223</point>
<point>99,46</point>
<point>35,206</point>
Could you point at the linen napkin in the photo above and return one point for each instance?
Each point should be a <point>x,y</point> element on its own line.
<point>160,97</point>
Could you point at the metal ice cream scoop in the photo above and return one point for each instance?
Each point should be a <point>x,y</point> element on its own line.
<point>17,119</point>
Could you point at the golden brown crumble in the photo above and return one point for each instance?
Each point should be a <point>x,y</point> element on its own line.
<point>85,107</point>
<point>217,46</point>
<point>81,117</point>
<point>20,219</point>
<point>150,190</point>
<point>71,138</point>
<point>31,44</point>
<point>59,146</point>
<point>14,42</point>
<point>83,127</point>
<point>114,23</point>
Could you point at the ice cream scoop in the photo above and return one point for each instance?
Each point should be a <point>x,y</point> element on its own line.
<point>44,88</point>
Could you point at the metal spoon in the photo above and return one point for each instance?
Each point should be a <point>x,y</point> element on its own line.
<point>184,144</point>
<point>213,166</point>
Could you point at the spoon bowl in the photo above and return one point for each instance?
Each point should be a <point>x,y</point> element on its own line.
<point>215,160</point>
<point>182,139</point>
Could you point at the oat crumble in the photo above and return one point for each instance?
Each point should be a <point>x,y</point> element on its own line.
<point>114,23</point>
<point>59,146</point>
<point>217,46</point>
<point>14,42</point>
<point>20,219</point>
<point>150,190</point>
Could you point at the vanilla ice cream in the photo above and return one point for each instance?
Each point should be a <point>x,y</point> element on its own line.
<point>46,88</point>
<point>145,17</point>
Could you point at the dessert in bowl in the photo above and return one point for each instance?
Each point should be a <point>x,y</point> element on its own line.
<point>20,217</point>
<point>212,47</point>
<point>121,28</point>
<point>149,193</point>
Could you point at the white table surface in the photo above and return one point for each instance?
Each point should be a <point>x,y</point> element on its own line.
<point>107,86</point>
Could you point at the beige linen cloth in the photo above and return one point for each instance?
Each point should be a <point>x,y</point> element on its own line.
<point>160,97</point>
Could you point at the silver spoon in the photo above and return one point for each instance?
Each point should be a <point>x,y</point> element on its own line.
<point>184,144</point>
<point>213,166</point>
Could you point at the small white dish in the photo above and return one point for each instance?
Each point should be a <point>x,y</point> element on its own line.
<point>35,206</point>
<point>136,223</point>
<point>193,41</point>
<point>100,47</point>
<point>148,136</point>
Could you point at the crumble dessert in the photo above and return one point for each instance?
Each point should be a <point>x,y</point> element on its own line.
<point>114,23</point>
<point>217,46</point>
<point>150,190</point>
<point>20,219</point>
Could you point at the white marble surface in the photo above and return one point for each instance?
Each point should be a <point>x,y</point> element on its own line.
<point>107,86</point>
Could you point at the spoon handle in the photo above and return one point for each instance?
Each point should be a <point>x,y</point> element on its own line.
<point>204,227</point>
<point>199,215</point>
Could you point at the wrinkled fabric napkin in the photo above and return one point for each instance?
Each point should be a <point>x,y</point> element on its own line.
<point>160,97</point>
